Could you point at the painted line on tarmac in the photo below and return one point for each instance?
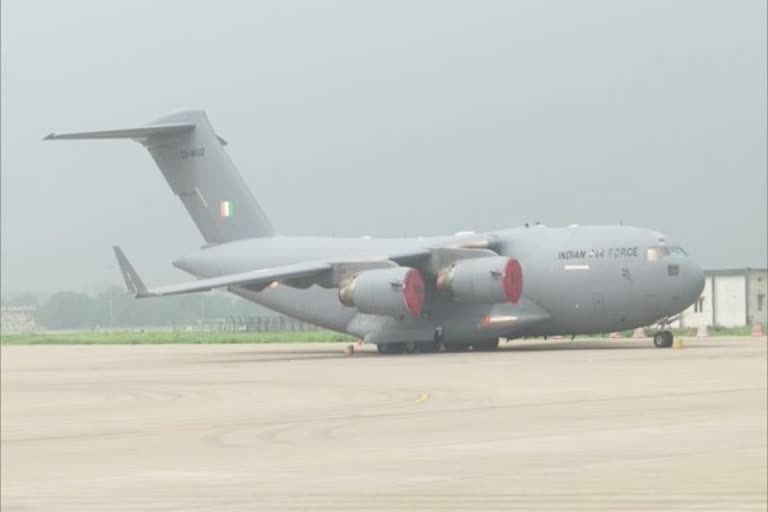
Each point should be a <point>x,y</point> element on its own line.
<point>423,397</point>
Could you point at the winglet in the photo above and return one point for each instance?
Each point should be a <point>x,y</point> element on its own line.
<point>132,279</point>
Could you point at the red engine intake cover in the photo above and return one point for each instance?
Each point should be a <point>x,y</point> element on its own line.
<point>413,292</point>
<point>513,280</point>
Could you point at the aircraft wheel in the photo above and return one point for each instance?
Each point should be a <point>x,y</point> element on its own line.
<point>486,346</point>
<point>410,347</point>
<point>663,339</point>
<point>456,347</point>
<point>427,347</point>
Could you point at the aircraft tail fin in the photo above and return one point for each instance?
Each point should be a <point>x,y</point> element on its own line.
<point>198,169</point>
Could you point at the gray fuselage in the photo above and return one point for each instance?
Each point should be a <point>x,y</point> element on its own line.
<point>577,280</point>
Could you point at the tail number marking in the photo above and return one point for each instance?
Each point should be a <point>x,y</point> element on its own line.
<point>192,153</point>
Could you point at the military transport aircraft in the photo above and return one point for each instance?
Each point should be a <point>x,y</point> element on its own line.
<point>417,294</point>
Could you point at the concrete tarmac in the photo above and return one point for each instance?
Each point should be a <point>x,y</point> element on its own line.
<point>545,425</point>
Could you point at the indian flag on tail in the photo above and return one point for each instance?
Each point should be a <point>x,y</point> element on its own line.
<point>225,208</point>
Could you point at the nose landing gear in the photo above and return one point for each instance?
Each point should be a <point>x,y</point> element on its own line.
<point>662,339</point>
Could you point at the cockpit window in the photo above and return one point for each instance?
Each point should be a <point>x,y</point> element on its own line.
<point>657,253</point>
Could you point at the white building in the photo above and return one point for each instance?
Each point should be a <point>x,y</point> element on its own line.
<point>17,319</point>
<point>731,298</point>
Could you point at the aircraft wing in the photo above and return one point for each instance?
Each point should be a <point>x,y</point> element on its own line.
<point>325,273</point>
<point>256,278</point>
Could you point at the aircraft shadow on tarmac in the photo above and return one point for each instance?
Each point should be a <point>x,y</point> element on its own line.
<point>283,354</point>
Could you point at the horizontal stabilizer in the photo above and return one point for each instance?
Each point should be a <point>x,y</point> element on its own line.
<point>127,133</point>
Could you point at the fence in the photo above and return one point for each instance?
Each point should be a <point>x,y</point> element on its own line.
<point>247,324</point>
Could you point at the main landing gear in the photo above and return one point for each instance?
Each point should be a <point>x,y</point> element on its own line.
<point>391,348</point>
<point>477,346</point>
<point>423,347</point>
<point>663,339</point>
<point>456,347</point>
<point>486,346</point>
<point>427,347</point>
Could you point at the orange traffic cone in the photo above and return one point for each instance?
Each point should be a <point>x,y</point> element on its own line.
<point>701,332</point>
<point>757,330</point>
<point>639,333</point>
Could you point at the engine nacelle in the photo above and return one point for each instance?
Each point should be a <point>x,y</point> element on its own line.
<point>393,292</point>
<point>483,280</point>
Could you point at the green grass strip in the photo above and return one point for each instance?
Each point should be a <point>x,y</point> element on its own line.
<point>166,337</point>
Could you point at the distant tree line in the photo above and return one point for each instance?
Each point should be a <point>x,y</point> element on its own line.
<point>114,307</point>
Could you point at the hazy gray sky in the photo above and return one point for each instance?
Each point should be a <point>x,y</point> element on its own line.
<point>384,118</point>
